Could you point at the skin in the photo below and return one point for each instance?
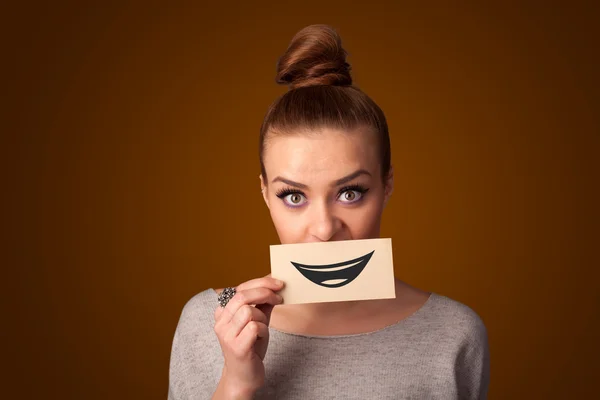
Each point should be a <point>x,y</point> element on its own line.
<point>318,160</point>
<point>310,164</point>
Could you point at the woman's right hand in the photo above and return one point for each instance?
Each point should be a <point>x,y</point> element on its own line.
<point>242,329</point>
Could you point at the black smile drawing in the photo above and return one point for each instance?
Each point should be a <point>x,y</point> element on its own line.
<point>332,275</point>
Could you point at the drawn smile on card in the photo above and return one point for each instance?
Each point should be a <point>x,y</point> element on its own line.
<point>334,275</point>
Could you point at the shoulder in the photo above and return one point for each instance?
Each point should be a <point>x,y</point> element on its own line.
<point>197,314</point>
<point>457,319</point>
<point>201,301</point>
<point>196,360</point>
<point>465,337</point>
<point>440,316</point>
<point>194,335</point>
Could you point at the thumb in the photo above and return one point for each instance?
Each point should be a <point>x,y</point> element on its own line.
<point>267,309</point>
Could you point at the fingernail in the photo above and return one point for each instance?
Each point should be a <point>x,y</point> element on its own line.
<point>278,282</point>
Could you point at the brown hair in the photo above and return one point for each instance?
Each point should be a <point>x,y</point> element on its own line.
<point>321,93</point>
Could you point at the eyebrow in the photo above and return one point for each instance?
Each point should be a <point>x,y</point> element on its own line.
<point>340,181</point>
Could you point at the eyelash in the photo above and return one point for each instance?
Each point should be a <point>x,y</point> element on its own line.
<point>281,193</point>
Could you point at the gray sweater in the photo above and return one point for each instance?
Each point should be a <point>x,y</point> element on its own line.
<point>438,352</point>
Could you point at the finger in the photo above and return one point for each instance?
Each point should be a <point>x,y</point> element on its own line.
<point>256,296</point>
<point>267,309</point>
<point>250,334</point>
<point>266,281</point>
<point>218,313</point>
<point>243,317</point>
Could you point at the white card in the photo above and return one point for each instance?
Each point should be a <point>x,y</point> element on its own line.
<point>334,271</point>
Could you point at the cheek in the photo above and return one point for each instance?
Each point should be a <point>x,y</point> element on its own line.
<point>286,222</point>
<point>363,223</point>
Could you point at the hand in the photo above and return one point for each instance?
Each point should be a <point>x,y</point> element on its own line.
<point>242,330</point>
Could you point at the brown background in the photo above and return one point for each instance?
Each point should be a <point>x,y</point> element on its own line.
<point>132,177</point>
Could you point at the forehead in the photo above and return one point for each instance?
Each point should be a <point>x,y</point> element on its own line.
<point>326,154</point>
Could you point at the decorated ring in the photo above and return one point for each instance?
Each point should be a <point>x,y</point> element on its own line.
<point>226,295</point>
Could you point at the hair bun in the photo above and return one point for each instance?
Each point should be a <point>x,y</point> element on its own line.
<point>314,57</point>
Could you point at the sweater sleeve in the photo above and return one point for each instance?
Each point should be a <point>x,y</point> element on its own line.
<point>473,363</point>
<point>177,389</point>
<point>196,360</point>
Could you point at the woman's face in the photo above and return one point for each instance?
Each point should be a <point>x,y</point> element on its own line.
<point>324,186</point>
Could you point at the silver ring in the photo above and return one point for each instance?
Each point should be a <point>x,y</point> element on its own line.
<point>226,295</point>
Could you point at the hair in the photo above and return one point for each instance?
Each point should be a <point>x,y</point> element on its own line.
<point>321,94</point>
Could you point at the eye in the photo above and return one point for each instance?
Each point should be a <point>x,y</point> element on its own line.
<point>291,197</point>
<point>294,199</point>
<point>352,194</point>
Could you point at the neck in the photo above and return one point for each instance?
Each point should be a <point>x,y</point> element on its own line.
<point>338,317</point>
<point>326,310</point>
<point>331,311</point>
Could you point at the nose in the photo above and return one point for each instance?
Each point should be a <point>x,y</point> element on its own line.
<point>323,223</point>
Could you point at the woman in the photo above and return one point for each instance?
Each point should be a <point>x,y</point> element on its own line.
<point>325,176</point>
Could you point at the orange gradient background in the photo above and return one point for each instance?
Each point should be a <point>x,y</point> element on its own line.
<point>132,177</point>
